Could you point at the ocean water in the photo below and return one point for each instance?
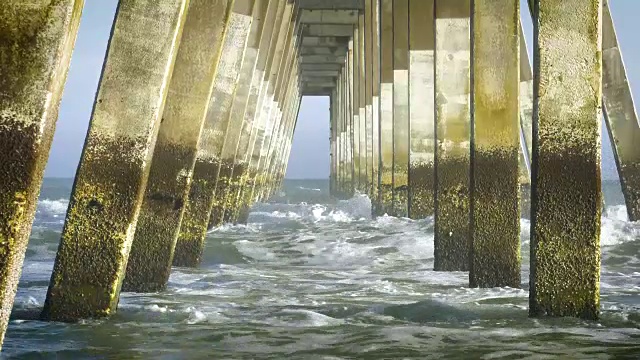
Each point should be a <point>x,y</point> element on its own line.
<point>314,278</point>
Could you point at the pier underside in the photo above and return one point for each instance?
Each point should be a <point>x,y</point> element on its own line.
<point>436,111</point>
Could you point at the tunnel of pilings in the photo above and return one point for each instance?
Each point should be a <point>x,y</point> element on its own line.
<point>436,110</point>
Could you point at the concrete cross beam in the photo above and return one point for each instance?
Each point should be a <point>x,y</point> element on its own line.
<point>321,73</point>
<point>331,4</point>
<point>325,41</point>
<point>327,30</point>
<point>329,16</point>
<point>335,51</point>
<point>314,59</point>
<point>321,66</point>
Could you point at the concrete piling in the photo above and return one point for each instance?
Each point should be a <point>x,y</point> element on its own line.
<point>36,42</point>
<point>566,190</point>
<point>421,111</point>
<point>452,240</point>
<point>386,108</point>
<point>495,144</point>
<point>621,116</point>
<point>151,255</point>
<point>400,107</point>
<point>224,206</point>
<point>201,198</point>
<point>113,171</point>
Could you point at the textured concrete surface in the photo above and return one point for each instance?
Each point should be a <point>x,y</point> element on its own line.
<point>110,181</point>
<point>566,188</point>
<point>149,263</point>
<point>495,185</point>
<point>36,42</point>
<point>202,199</point>
<point>386,109</point>
<point>421,111</point>
<point>452,164</point>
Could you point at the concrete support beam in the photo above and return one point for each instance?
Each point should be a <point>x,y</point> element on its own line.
<point>337,51</point>
<point>368,93</point>
<point>621,116</point>
<point>321,67</point>
<point>354,80</point>
<point>375,101</point>
<point>421,112</point>
<point>566,190</point>
<point>401,137</point>
<point>325,41</point>
<point>235,122</point>
<point>110,181</point>
<point>328,16</point>
<point>267,109</point>
<point>36,42</point>
<point>253,117</point>
<point>495,144</point>
<point>452,240</point>
<point>327,30</point>
<point>201,197</point>
<point>321,73</point>
<point>174,155</point>
<point>526,109</point>
<point>365,182</point>
<point>322,59</point>
<point>333,145</point>
<point>287,79</point>
<point>386,108</point>
<point>316,91</point>
<point>330,4</point>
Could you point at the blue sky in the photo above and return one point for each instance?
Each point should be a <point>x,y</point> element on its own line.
<point>310,151</point>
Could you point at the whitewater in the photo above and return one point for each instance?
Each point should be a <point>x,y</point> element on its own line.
<point>310,277</point>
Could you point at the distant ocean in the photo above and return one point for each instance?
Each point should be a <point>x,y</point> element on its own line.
<point>314,278</point>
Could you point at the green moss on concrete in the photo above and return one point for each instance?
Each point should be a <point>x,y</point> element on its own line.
<point>151,256</point>
<point>452,238</point>
<point>98,231</point>
<point>421,188</point>
<point>386,193</point>
<point>495,222</point>
<point>195,220</point>
<point>565,239</point>
<point>36,42</point>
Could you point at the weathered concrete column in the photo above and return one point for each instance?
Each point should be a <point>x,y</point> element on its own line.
<point>110,181</point>
<point>452,240</point>
<point>421,112</point>
<point>400,107</point>
<point>368,84</point>
<point>291,101</point>
<point>375,102</point>
<point>365,183</point>
<point>351,145</point>
<point>343,135</point>
<point>282,79</point>
<point>201,197</point>
<point>36,42</point>
<point>566,192</point>
<point>333,172</point>
<point>253,117</point>
<point>174,155</point>
<point>386,108</point>
<point>495,144</point>
<point>223,205</point>
<point>267,107</point>
<point>287,94</point>
<point>526,129</point>
<point>354,74</point>
<point>620,115</point>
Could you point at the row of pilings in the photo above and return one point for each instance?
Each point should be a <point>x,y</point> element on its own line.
<point>192,123</point>
<point>438,112</point>
<point>198,101</point>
